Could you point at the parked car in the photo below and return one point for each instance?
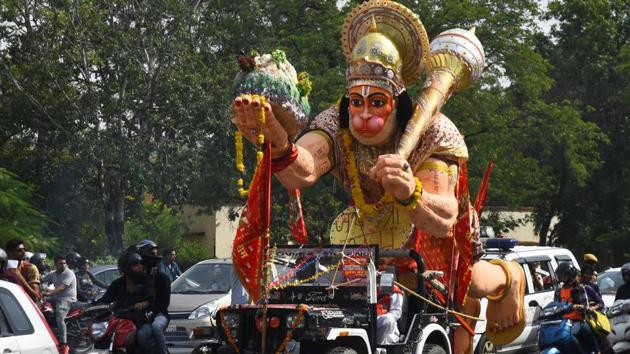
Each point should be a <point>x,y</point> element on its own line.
<point>609,281</point>
<point>23,331</point>
<point>195,297</point>
<point>539,264</point>
<point>106,273</point>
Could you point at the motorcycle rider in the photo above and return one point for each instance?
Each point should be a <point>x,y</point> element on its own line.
<point>148,249</point>
<point>86,281</point>
<point>38,261</point>
<point>132,293</point>
<point>596,302</point>
<point>25,274</point>
<point>63,296</point>
<point>623,293</point>
<point>73,258</point>
<point>576,294</point>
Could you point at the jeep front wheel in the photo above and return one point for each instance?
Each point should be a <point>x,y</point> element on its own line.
<point>433,349</point>
<point>342,350</point>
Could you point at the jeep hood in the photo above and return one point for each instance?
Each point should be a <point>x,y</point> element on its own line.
<point>190,302</point>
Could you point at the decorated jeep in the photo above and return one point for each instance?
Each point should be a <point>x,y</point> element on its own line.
<point>323,299</point>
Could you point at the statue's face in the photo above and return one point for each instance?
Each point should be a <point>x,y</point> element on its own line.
<point>372,114</point>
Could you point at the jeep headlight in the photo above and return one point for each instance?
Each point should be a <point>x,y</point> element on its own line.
<point>291,317</point>
<point>204,310</point>
<point>231,320</point>
<point>98,329</point>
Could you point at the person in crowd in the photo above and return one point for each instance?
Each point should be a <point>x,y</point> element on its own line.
<point>389,310</point>
<point>596,302</point>
<point>3,264</point>
<point>573,292</point>
<point>132,294</point>
<point>86,281</point>
<point>63,295</point>
<point>23,273</point>
<point>73,258</point>
<point>148,249</point>
<point>168,265</point>
<point>39,261</point>
<point>591,260</point>
<point>623,293</point>
<point>537,276</point>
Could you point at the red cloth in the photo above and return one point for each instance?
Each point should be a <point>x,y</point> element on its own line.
<point>296,217</point>
<point>385,301</point>
<point>451,254</point>
<point>252,239</point>
<point>125,332</point>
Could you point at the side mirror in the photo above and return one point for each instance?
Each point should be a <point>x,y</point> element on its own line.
<point>386,283</point>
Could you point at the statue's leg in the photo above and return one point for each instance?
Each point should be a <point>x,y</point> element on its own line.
<point>463,340</point>
<point>505,312</point>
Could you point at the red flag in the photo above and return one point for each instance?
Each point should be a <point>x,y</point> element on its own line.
<point>251,242</point>
<point>480,199</point>
<point>296,217</point>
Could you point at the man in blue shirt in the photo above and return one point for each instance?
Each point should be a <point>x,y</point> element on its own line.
<point>168,265</point>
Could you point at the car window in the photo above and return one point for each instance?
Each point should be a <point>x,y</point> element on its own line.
<point>543,278</point>
<point>205,279</point>
<point>609,282</point>
<point>19,323</point>
<point>107,276</point>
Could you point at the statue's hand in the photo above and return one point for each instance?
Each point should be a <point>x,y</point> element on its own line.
<point>246,118</point>
<point>395,175</point>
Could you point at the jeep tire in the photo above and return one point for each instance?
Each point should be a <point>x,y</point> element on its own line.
<point>433,349</point>
<point>485,346</point>
<point>342,350</point>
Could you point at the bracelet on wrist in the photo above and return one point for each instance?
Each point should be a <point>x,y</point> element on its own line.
<point>412,202</point>
<point>282,162</point>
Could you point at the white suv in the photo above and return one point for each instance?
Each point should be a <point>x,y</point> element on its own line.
<point>22,326</point>
<point>539,264</point>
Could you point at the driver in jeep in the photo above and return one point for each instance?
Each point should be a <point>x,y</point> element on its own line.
<point>356,142</point>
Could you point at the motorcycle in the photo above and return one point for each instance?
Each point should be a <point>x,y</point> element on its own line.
<point>115,333</point>
<point>77,322</point>
<point>554,336</point>
<point>619,315</point>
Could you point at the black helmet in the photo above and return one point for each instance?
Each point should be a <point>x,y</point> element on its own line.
<point>566,269</point>
<point>72,258</point>
<point>127,259</point>
<point>145,247</point>
<point>82,261</point>
<point>38,261</point>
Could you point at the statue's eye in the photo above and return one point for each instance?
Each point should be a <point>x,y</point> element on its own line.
<point>357,102</point>
<point>377,102</point>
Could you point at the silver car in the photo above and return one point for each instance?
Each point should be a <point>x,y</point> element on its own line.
<point>195,297</point>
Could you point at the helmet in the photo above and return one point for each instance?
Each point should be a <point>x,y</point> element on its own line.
<point>28,255</point>
<point>566,269</point>
<point>589,257</point>
<point>3,255</point>
<point>83,261</point>
<point>145,247</point>
<point>72,258</point>
<point>38,261</point>
<point>625,269</point>
<point>127,259</point>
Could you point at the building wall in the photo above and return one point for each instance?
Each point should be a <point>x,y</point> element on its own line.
<point>214,231</point>
<point>524,233</point>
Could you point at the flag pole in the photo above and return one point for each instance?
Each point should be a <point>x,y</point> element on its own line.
<point>264,260</point>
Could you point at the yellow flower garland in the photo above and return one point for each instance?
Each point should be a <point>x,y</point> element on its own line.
<point>355,184</point>
<point>238,141</point>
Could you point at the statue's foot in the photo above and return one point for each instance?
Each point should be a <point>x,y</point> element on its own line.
<point>506,311</point>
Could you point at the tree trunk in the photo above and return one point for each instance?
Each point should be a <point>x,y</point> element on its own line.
<point>114,217</point>
<point>544,227</point>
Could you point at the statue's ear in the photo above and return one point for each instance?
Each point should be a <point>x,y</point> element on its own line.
<point>344,116</point>
<point>404,110</point>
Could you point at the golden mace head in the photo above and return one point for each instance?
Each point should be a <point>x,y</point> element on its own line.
<point>459,52</point>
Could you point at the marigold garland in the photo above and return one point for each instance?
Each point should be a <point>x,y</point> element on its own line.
<point>238,142</point>
<point>228,331</point>
<point>355,183</point>
<point>296,322</point>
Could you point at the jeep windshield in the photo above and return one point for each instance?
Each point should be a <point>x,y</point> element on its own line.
<point>320,266</point>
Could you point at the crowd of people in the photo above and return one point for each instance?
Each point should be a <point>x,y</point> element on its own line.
<point>141,294</point>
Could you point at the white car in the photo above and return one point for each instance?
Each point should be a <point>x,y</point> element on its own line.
<point>609,281</point>
<point>22,326</point>
<point>539,264</point>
